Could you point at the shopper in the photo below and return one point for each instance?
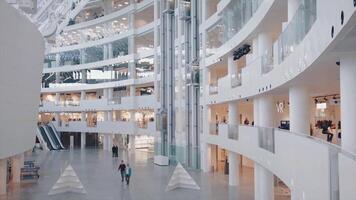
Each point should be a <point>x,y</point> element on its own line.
<point>113,150</point>
<point>122,169</point>
<point>325,130</point>
<point>128,174</point>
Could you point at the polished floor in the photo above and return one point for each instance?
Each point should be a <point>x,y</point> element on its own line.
<point>97,171</point>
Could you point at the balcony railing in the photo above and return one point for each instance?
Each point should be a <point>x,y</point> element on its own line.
<point>236,80</point>
<point>213,88</point>
<point>213,128</point>
<point>266,138</point>
<point>233,131</point>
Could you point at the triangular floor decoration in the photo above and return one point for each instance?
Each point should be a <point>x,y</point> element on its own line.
<point>67,182</point>
<point>181,179</point>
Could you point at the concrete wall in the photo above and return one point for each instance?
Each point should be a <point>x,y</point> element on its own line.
<point>21,62</point>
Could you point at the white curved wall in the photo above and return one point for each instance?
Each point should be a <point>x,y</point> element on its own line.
<point>21,61</point>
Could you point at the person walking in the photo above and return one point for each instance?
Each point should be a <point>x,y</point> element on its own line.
<point>128,174</point>
<point>122,169</point>
<point>113,150</point>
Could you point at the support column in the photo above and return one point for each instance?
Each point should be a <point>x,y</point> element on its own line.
<point>264,43</point>
<point>110,52</point>
<point>231,67</point>
<point>348,99</point>
<point>132,142</point>
<point>82,140</point>
<point>84,76</point>
<point>264,188</point>
<point>299,109</point>
<point>292,8</point>
<point>234,169</point>
<point>105,142</point>
<point>264,183</point>
<point>3,176</point>
<point>17,162</point>
<point>233,113</point>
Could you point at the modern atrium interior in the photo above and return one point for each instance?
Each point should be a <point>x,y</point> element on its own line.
<point>201,99</point>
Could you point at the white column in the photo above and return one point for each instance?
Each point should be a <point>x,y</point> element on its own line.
<point>110,52</point>
<point>231,67</point>
<point>17,162</point>
<point>82,140</point>
<point>3,175</point>
<point>264,184</point>
<point>57,98</point>
<point>292,8</point>
<point>234,169</point>
<point>82,95</point>
<point>233,113</point>
<point>132,90</point>
<point>348,101</point>
<point>84,76</point>
<point>266,111</point>
<point>105,142</point>
<point>264,188</point>
<point>299,109</point>
<point>132,142</point>
<point>264,43</point>
<point>71,142</point>
<point>256,111</point>
<point>205,157</point>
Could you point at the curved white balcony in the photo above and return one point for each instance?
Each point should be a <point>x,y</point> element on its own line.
<point>103,104</point>
<point>114,127</point>
<point>84,86</point>
<point>314,47</point>
<point>326,171</point>
<point>112,16</point>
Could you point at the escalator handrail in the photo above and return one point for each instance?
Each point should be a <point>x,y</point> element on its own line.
<point>51,126</point>
<point>45,137</point>
<point>50,137</point>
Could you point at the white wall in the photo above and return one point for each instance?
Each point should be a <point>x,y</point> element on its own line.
<point>21,62</point>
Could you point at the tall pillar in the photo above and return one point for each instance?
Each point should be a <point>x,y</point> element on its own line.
<point>348,99</point>
<point>3,176</point>
<point>105,142</point>
<point>264,183</point>
<point>233,113</point>
<point>234,169</point>
<point>132,142</point>
<point>256,111</point>
<point>17,162</point>
<point>292,8</point>
<point>84,76</point>
<point>57,98</point>
<point>82,95</point>
<point>299,109</point>
<point>110,51</point>
<point>264,188</point>
<point>231,67</point>
<point>264,43</point>
<point>82,140</point>
<point>132,90</point>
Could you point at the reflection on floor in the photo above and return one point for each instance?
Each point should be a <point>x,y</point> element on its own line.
<point>97,171</point>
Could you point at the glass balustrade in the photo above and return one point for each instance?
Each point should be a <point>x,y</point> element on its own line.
<point>233,131</point>
<point>266,138</point>
<point>296,30</point>
<point>232,20</point>
<point>213,88</point>
<point>213,128</point>
<point>236,80</point>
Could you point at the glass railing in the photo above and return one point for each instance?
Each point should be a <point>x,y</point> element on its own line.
<point>233,131</point>
<point>114,101</point>
<point>233,19</point>
<point>213,128</point>
<point>68,103</point>
<point>266,138</point>
<point>236,80</point>
<point>296,30</point>
<point>213,88</point>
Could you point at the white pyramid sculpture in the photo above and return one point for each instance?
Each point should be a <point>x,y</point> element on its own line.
<point>181,179</point>
<point>67,182</point>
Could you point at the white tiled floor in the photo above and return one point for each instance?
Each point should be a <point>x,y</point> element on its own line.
<point>97,171</point>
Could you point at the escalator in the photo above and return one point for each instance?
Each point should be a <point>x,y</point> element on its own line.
<point>55,133</point>
<point>45,138</point>
<point>52,137</point>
